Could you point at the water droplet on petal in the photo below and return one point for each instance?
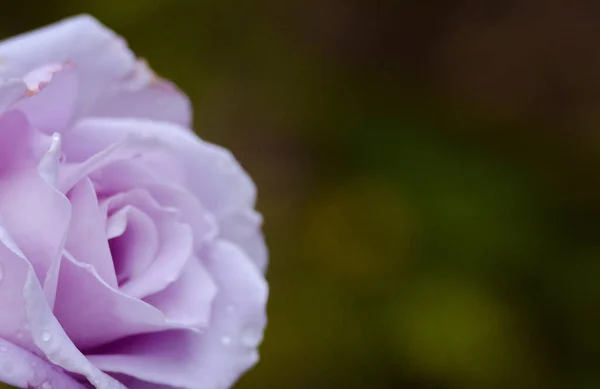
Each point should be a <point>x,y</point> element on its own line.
<point>46,385</point>
<point>45,336</point>
<point>226,340</point>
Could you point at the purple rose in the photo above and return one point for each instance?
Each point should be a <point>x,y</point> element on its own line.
<point>130,251</point>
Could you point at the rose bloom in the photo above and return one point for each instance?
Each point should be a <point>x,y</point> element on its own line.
<point>131,255</point>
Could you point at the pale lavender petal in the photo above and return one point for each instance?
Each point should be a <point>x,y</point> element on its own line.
<point>243,227</point>
<point>87,240</point>
<point>214,359</point>
<point>50,107</point>
<point>16,139</point>
<point>111,78</point>
<point>134,383</point>
<point>26,197</point>
<point>49,164</point>
<point>165,263</point>
<point>98,314</point>
<point>29,198</point>
<point>38,78</point>
<point>124,176</point>
<point>134,242</point>
<point>144,95</point>
<point>204,226</point>
<point>32,326</point>
<point>81,39</point>
<point>231,194</point>
<point>22,369</point>
<point>189,299</point>
<point>175,250</point>
<point>11,91</point>
<point>89,155</point>
<point>13,269</point>
<point>53,342</point>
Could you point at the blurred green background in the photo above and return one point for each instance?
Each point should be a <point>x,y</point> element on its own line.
<point>429,173</point>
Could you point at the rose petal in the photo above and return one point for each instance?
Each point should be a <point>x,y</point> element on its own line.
<point>86,240</point>
<point>110,75</point>
<point>231,194</point>
<point>87,158</point>
<point>52,340</point>
<point>204,225</point>
<point>26,197</point>
<point>52,107</point>
<point>22,369</point>
<point>160,267</point>
<point>13,271</point>
<point>81,39</point>
<point>213,359</point>
<point>16,140</point>
<point>175,250</point>
<point>144,95</point>
<point>124,176</point>
<point>98,314</point>
<point>134,242</point>
<point>134,383</point>
<point>189,299</point>
<point>50,163</point>
<point>33,327</point>
<point>10,92</point>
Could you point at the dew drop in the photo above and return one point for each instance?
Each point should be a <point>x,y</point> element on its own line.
<point>226,340</point>
<point>45,336</point>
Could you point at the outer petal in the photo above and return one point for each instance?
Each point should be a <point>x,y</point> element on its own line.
<point>95,49</point>
<point>21,295</point>
<point>16,144</point>
<point>109,72</point>
<point>50,107</point>
<point>211,360</point>
<point>14,268</point>
<point>51,339</point>
<point>34,212</point>
<point>144,95</point>
<point>87,158</point>
<point>213,175</point>
<point>22,369</point>
<point>10,92</point>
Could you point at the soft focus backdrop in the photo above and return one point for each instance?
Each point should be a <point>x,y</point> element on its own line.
<point>429,174</point>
